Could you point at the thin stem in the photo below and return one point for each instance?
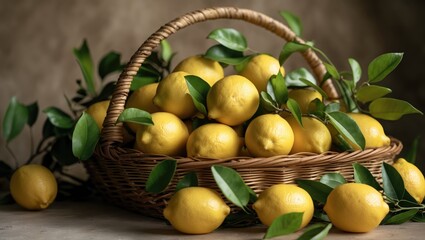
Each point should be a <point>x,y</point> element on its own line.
<point>31,141</point>
<point>39,150</point>
<point>13,155</point>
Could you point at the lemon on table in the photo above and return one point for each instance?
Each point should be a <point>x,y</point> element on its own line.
<point>196,210</point>
<point>304,96</point>
<point>413,178</point>
<point>209,70</point>
<point>33,187</point>
<point>313,136</point>
<point>269,135</point>
<point>282,198</point>
<point>142,98</point>
<point>213,140</point>
<point>355,207</point>
<point>172,95</point>
<point>167,136</point>
<point>260,68</point>
<point>371,129</point>
<point>98,112</point>
<point>232,100</point>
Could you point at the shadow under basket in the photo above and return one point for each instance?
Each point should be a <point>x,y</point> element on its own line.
<point>119,173</point>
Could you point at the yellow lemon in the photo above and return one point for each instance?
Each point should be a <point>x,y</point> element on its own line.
<point>213,140</point>
<point>313,136</point>
<point>355,207</point>
<point>209,70</point>
<point>260,68</point>
<point>172,95</point>
<point>142,98</point>
<point>196,210</point>
<point>33,187</point>
<point>304,96</point>
<point>371,129</point>
<point>232,100</point>
<point>413,179</point>
<point>98,112</point>
<point>167,136</point>
<point>282,198</point>
<point>269,135</point>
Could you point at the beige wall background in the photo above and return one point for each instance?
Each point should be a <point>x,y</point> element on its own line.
<point>37,38</point>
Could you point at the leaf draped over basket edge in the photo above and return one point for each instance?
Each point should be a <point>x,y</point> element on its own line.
<point>231,185</point>
<point>161,176</point>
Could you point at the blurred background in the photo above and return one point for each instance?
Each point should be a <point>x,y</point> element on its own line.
<point>37,39</point>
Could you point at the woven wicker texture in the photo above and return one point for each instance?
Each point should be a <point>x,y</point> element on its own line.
<point>120,173</point>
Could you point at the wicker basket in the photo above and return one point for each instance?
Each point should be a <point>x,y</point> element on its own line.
<point>120,173</point>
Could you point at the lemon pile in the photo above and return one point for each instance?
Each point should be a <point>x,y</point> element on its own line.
<point>233,126</point>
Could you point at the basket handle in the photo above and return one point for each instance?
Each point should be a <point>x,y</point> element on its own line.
<point>112,132</point>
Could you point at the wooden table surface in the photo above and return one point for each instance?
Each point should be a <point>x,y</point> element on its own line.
<point>98,220</point>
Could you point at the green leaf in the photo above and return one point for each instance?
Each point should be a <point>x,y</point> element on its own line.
<point>411,152</point>
<point>62,151</point>
<point>363,175</point>
<point>391,109</point>
<point>331,107</point>
<point>242,64</point>
<point>315,87</point>
<point>161,176</point>
<point>317,231</point>
<point>139,82</point>
<point>230,38</point>
<point>14,119</point>
<point>135,115</point>
<point>393,184</point>
<point>292,78</point>
<point>110,63</point>
<point>369,93</point>
<point>419,217</point>
<point>166,50</point>
<point>189,180</point>
<point>49,130</point>
<point>85,137</point>
<point>347,127</point>
<point>317,190</point>
<point>285,224</point>
<point>293,21</point>
<point>383,65</point>
<point>59,118</point>
<point>347,94</point>
<point>231,185</point>
<point>198,90</point>
<point>402,217</point>
<point>332,70</point>
<point>32,113</point>
<point>333,179</point>
<point>225,55</point>
<point>86,64</point>
<point>278,85</point>
<point>294,108</point>
<point>267,102</point>
<point>355,69</point>
<point>289,48</point>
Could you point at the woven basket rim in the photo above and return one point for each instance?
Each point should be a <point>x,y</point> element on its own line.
<point>304,158</point>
